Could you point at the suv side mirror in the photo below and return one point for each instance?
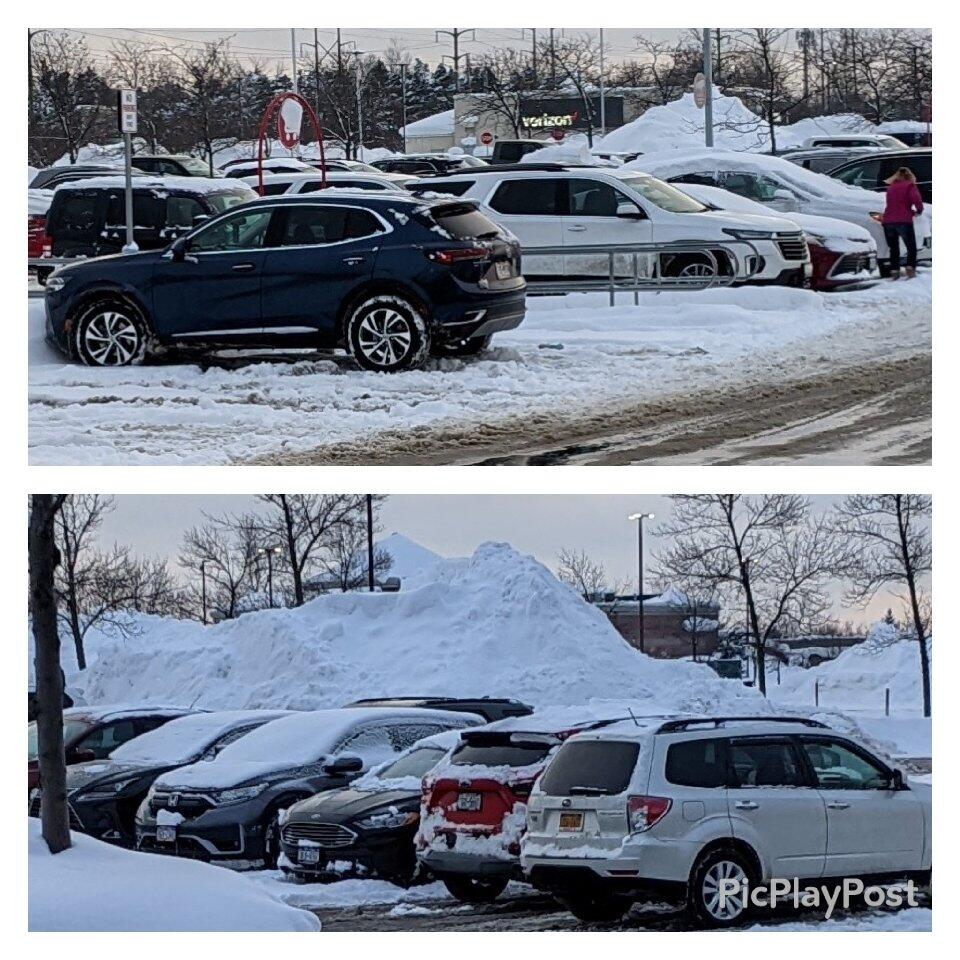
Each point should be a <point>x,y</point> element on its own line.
<point>178,250</point>
<point>343,764</point>
<point>630,211</point>
<point>785,200</point>
<point>896,780</point>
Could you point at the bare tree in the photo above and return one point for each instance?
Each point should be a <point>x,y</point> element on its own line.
<point>504,76</point>
<point>765,551</point>
<point>147,69</point>
<point>345,559</point>
<point>43,559</point>
<point>577,61</point>
<point>889,544</point>
<point>582,573</point>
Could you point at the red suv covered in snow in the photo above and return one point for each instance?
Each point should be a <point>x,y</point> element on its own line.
<point>474,808</point>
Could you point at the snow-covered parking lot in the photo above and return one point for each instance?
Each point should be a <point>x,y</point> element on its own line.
<point>575,360</point>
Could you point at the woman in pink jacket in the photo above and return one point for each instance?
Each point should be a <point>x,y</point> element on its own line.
<point>903,204</point>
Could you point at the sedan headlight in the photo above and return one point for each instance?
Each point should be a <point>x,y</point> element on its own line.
<point>55,282</point>
<point>237,794</point>
<point>105,790</point>
<point>389,820</point>
<point>749,234</point>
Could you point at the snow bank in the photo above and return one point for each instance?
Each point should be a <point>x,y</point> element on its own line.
<point>407,558</point>
<point>436,125</point>
<point>497,623</point>
<point>574,149</point>
<point>98,887</point>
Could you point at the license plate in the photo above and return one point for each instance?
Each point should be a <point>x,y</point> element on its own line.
<point>308,855</point>
<point>469,801</point>
<point>571,821</point>
<point>166,834</point>
<point>504,271</point>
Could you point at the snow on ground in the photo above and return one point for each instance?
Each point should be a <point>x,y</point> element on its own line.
<point>572,356</point>
<point>497,623</point>
<point>94,886</point>
<point>342,893</point>
<point>874,921</point>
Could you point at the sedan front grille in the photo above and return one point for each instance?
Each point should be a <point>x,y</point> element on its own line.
<point>793,248</point>
<point>324,834</point>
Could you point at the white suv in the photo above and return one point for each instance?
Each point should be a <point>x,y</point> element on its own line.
<point>550,205</point>
<point>666,809</point>
<point>275,184</point>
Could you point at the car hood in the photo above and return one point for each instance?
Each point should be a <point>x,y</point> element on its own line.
<point>96,263</point>
<point>342,806</point>
<point>81,776</point>
<point>213,775</point>
<point>747,221</point>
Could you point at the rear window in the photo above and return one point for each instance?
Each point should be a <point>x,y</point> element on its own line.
<point>455,188</point>
<point>696,763</point>
<point>76,212</point>
<point>499,753</point>
<point>528,197</point>
<point>589,767</point>
<point>464,222</point>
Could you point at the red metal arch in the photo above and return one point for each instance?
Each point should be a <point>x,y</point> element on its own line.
<point>273,108</point>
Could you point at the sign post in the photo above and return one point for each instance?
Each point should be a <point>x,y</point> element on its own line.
<point>127,124</point>
<point>708,84</point>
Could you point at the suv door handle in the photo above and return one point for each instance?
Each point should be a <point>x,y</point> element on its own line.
<point>577,228</point>
<point>243,267</point>
<point>353,261</point>
<point>746,804</point>
<point>837,805</point>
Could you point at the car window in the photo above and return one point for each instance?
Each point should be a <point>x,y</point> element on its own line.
<point>463,221</point>
<point>750,185</point>
<point>221,202</point>
<point>499,752</point>
<point>77,212</point>
<point>417,763</point>
<point>404,735</point>
<point>593,198</point>
<point>839,768</point>
<point>148,165</point>
<point>229,738</point>
<point>147,211</point>
<point>864,174</point>
<point>71,730</point>
<point>706,179</point>
<point>765,763</point>
<point>274,189</point>
<point>245,230</point>
<point>374,743</point>
<point>922,167</point>
<point>822,164</point>
<point>456,188</point>
<point>528,197</point>
<point>697,763</point>
<point>181,211</point>
<point>663,195</point>
<point>590,767</point>
<point>105,739</point>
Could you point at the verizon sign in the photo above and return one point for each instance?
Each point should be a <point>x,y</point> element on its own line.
<point>568,113</point>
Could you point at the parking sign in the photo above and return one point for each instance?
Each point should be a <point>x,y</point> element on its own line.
<point>127,111</point>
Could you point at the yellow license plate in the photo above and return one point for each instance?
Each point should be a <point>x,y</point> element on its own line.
<point>571,821</point>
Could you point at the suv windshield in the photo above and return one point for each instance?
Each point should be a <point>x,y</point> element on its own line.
<point>588,767</point>
<point>663,195</point>
<point>463,221</point>
<point>195,166</point>
<point>499,753</point>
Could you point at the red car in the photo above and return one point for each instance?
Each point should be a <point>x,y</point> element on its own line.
<point>38,243</point>
<point>91,733</point>
<point>474,808</point>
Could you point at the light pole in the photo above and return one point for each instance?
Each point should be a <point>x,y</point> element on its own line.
<point>203,587</point>
<point>370,541</point>
<point>269,551</point>
<point>640,517</point>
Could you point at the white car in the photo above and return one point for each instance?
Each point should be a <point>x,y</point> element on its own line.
<point>243,168</point>
<point>658,808</point>
<point>842,253</point>
<point>782,186</point>
<point>883,141</point>
<point>557,206</point>
<point>281,183</point>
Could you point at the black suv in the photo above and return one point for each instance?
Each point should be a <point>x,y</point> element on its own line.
<point>388,278</point>
<point>490,708</point>
<point>871,171</point>
<point>87,217</point>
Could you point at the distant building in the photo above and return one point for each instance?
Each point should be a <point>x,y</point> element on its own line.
<point>672,627</point>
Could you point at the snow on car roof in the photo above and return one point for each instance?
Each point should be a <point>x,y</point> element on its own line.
<point>185,738</point>
<point>331,175</point>
<point>203,185</point>
<point>119,711</point>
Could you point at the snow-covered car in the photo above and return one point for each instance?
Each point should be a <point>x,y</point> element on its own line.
<point>556,206</point>
<point>841,252</point>
<point>230,808</point>
<point>275,184</point>
<point>244,168</point>
<point>103,795</point>
<point>473,814</point>
<point>783,187</point>
<point>368,828</point>
<point>883,141</point>
<point>668,809</point>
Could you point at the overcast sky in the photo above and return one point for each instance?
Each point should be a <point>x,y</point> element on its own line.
<point>454,525</point>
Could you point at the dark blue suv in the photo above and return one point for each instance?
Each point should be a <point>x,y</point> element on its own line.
<point>390,279</point>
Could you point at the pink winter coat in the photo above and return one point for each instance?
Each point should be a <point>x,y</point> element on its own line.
<point>903,201</point>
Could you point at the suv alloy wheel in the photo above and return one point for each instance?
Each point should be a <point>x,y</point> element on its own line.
<point>110,334</point>
<point>704,892</point>
<point>386,333</point>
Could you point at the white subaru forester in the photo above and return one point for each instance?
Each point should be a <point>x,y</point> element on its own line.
<point>672,808</point>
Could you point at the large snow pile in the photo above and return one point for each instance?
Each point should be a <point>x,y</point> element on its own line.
<point>98,887</point>
<point>436,125</point>
<point>574,150</point>
<point>858,678</point>
<point>497,623</point>
<point>407,558</point>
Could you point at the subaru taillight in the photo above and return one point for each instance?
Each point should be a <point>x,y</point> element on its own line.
<point>644,812</point>
<point>456,255</point>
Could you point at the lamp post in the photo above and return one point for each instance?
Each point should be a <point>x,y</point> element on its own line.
<point>640,517</point>
<point>370,542</point>
<point>269,551</point>
<point>203,588</point>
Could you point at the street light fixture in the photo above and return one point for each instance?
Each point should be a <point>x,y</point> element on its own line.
<point>640,517</point>
<point>269,551</point>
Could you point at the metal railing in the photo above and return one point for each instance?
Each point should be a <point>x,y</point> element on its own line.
<point>633,281</point>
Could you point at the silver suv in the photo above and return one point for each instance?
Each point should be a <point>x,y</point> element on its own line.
<point>668,808</point>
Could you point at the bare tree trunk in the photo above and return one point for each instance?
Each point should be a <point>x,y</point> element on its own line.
<point>43,559</point>
<point>914,606</point>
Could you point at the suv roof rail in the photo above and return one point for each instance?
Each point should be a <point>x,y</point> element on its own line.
<point>675,726</point>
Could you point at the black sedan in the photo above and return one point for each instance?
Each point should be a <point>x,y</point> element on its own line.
<point>366,829</point>
<point>103,795</point>
<point>389,278</point>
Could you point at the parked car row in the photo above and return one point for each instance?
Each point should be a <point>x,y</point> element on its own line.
<point>599,812</point>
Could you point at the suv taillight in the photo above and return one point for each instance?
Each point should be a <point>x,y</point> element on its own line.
<point>456,255</point>
<point>644,812</point>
